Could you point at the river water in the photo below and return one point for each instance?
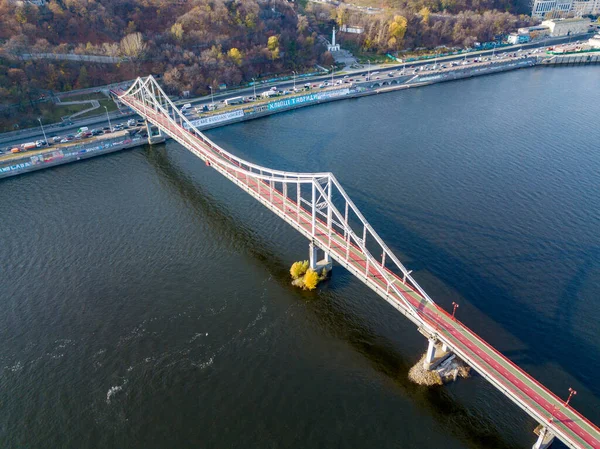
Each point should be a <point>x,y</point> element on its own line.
<point>146,301</point>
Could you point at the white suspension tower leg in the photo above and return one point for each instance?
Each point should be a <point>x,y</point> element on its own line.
<point>314,213</point>
<point>284,204</point>
<point>329,220</point>
<point>298,201</point>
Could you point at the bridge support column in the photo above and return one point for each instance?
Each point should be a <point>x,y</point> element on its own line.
<point>545,439</point>
<point>316,264</point>
<point>430,354</point>
<point>154,134</point>
<point>312,256</point>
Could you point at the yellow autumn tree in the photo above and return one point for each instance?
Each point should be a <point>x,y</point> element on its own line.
<point>273,46</point>
<point>311,279</point>
<point>177,31</point>
<point>298,269</point>
<point>235,55</point>
<point>397,28</point>
<point>425,13</point>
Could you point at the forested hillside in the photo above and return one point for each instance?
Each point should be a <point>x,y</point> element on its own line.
<point>456,6</point>
<point>415,25</point>
<point>193,43</point>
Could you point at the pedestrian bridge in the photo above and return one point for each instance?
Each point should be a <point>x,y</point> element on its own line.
<point>316,205</point>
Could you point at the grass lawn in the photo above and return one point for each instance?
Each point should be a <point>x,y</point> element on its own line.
<point>48,112</point>
<point>83,97</point>
<point>110,105</point>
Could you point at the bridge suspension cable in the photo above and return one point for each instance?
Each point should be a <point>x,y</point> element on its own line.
<point>316,205</point>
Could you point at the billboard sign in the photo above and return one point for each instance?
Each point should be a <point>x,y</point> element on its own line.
<point>216,118</point>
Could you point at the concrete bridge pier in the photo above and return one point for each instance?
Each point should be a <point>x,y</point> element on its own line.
<point>154,134</point>
<point>545,438</point>
<point>437,353</point>
<point>430,356</point>
<point>315,263</point>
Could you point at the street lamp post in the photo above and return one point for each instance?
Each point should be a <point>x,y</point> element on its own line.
<point>254,85</point>
<point>332,72</point>
<point>571,394</point>
<point>43,132</point>
<point>454,307</point>
<point>294,80</point>
<point>212,98</point>
<point>108,118</point>
<point>369,70</point>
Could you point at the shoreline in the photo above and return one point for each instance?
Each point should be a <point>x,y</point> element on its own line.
<point>54,157</point>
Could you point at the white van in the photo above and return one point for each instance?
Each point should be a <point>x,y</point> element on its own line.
<point>186,106</point>
<point>83,129</point>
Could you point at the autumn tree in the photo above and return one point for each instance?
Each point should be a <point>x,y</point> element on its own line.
<point>424,12</point>
<point>311,279</point>
<point>397,30</point>
<point>273,47</point>
<point>298,269</point>
<point>82,79</point>
<point>302,23</point>
<point>177,31</point>
<point>341,15</point>
<point>235,55</point>
<point>133,46</point>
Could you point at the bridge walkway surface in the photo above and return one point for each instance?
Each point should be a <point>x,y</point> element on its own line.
<point>406,296</point>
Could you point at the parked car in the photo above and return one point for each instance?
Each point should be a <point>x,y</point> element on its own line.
<point>57,138</point>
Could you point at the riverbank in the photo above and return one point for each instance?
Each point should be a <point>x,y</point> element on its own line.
<point>60,156</point>
<point>24,163</point>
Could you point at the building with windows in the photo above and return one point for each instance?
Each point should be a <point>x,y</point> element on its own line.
<point>566,27</point>
<point>556,7</point>
<point>563,8</point>
<point>355,29</point>
<point>586,7</point>
<point>534,32</point>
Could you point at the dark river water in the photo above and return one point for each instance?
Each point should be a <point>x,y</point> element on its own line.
<point>146,301</point>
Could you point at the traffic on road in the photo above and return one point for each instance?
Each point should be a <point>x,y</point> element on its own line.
<point>204,106</point>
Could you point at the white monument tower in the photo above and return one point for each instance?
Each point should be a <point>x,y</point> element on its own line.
<point>333,46</point>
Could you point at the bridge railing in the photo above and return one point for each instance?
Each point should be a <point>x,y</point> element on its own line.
<point>325,190</point>
<point>334,219</point>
